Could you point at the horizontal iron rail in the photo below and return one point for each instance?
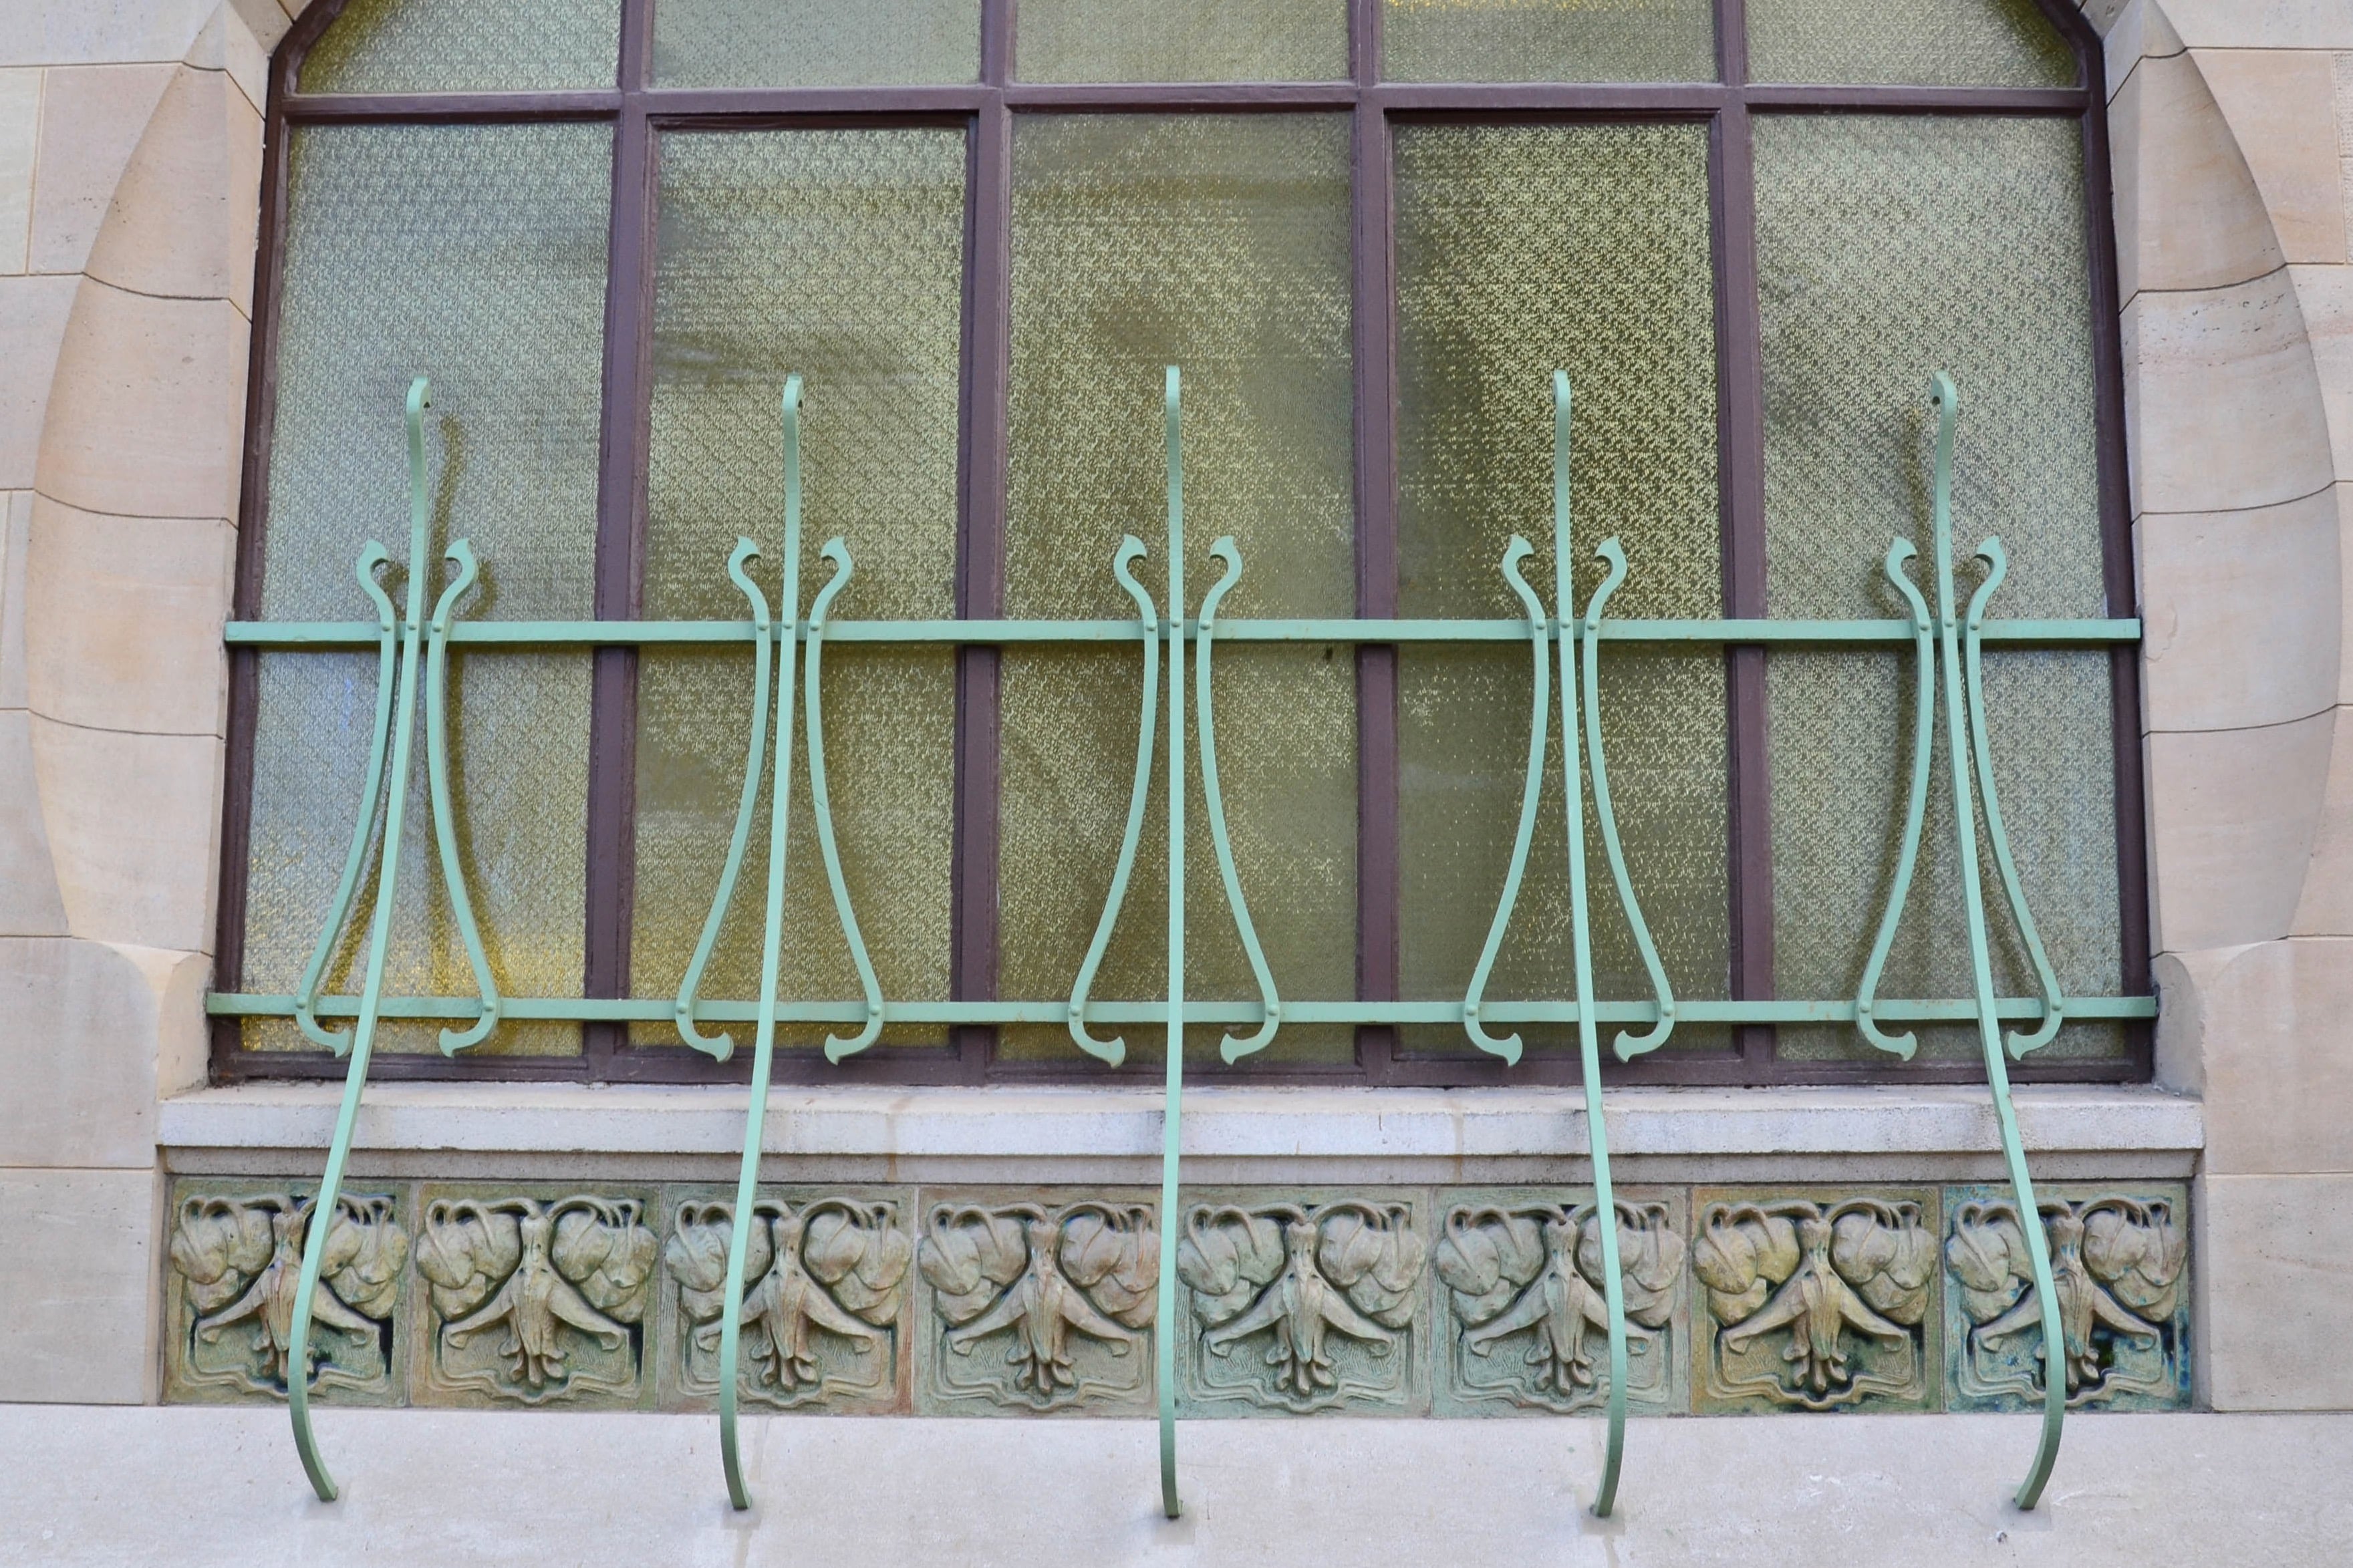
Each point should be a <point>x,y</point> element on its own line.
<point>657,1009</point>
<point>617,634</point>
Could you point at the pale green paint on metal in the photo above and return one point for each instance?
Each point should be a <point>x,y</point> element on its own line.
<point>2054,1007</point>
<point>837,1047</point>
<point>1915,807</point>
<point>1945,398</point>
<point>722,1045</point>
<point>444,819</point>
<point>1531,793</point>
<point>616,1009</point>
<point>764,1039</point>
<point>1115,1050</point>
<point>1628,1046</point>
<point>1166,1326</point>
<point>306,1000</point>
<point>402,729</point>
<point>990,633</point>
<point>1234,1048</point>
<point>1588,1038</point>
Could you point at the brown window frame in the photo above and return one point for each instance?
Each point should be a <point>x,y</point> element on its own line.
<point>638,112</point>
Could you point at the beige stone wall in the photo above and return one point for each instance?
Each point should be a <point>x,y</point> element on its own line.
<point>130,142</point>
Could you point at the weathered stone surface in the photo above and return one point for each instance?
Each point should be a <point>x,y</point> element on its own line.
<point>2275,1270</point>
<point>99,30</point>
<point>91,118</point>
<point>78,1053</point>
<point>185,209</point>
<point>2120,1267</point>
<point>2258,24</point>
<point>124,619</point>
<point>829,1315</point>
<point>2275,100</point>
<point>235,1251</point>
<point>20,126</point>
<point>2233,816</point>
<point>534,1293</point>
<point>2241,620</point>
<point>132,823</point>
<point>1522,1327</point>
<point>2188,213</point>
<point>1297,1303</point>
<point>2325,296</point>
<point>1815,1300</point>
<point>76,1295</point>
<point>33,312</point>
<point>29,904</point>
<point>2266,1026</point>
<point>1034,1304</point>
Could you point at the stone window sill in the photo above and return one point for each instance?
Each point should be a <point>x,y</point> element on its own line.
<point>1232,1134</point>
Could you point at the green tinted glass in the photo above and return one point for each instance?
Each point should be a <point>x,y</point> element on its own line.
<point>465,45</point>
<point>1957,43</point>
<point>837,254</point>
<point>1888,247</point>
<point>1199,40</point>
<point>1548,40</point>
<point>474,255</point>
<point>816,43</point>
<point>1519,250</point>
<point>1220,244</point>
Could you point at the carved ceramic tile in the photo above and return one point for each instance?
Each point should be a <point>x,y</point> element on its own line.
<point>534,1293</point>
<point>1299,1302</point>
<point>236,1251</point>
<point>828,1297</point>
<point>1036,1302</point>
<point>1521,1324</point>
<point>2120,1267</point>
<point>1812,1299</point>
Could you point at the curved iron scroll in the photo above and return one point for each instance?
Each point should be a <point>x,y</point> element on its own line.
<point>837,1047</point>
<point>1213,800</point>
<point>1114,1051</point>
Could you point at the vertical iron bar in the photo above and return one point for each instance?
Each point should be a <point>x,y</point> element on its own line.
<point>1171,1125</point>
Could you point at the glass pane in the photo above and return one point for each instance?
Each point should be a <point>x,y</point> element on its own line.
<point>816,43</point>
<point>1956,43</point>
<point>1548,40</point>
<point>838,255</point>
<point>521,828</point>
<point>475,255</point>
<point>1888,247</point>
<point>465,45</point>
<point>1219,243</point>
<point>1198,41</point>
<point>890,752</point>
<point>1520,249</point>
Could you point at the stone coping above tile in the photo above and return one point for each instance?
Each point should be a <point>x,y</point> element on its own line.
<point>1227,1126</point>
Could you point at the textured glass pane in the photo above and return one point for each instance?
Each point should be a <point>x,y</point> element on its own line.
<point>1287,766</point>
<point>1194,40</point>
<point>1220,244</point>
<point>465,45</point>
<point>1464,737</point>
<point>1889,246</point>
<point>519,780</point>
<point>1520,249</point>
<point>475,255</point>
<point>890,727</point>
<point>1548,40</point>
<point>1841,729</point>
<point>1958,43</point>
<point>816,43</point>
<point>837,254</point>
<point>1524,249</point>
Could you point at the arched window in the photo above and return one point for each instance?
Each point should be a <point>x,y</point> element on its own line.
<point>1368,230</point>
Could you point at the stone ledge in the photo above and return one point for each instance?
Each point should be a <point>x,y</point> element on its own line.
<point>1224,1125</point>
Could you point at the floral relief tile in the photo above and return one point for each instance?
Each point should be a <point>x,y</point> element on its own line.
<point>234,1252</point>
<point>1815,1300</point>
<point>1521,1323</point>
<point>829,1298</point>
<point>2120,1269</point>
<point>1293,1302</point>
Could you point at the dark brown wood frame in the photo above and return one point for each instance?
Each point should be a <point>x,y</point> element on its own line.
<point>639,111</point>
